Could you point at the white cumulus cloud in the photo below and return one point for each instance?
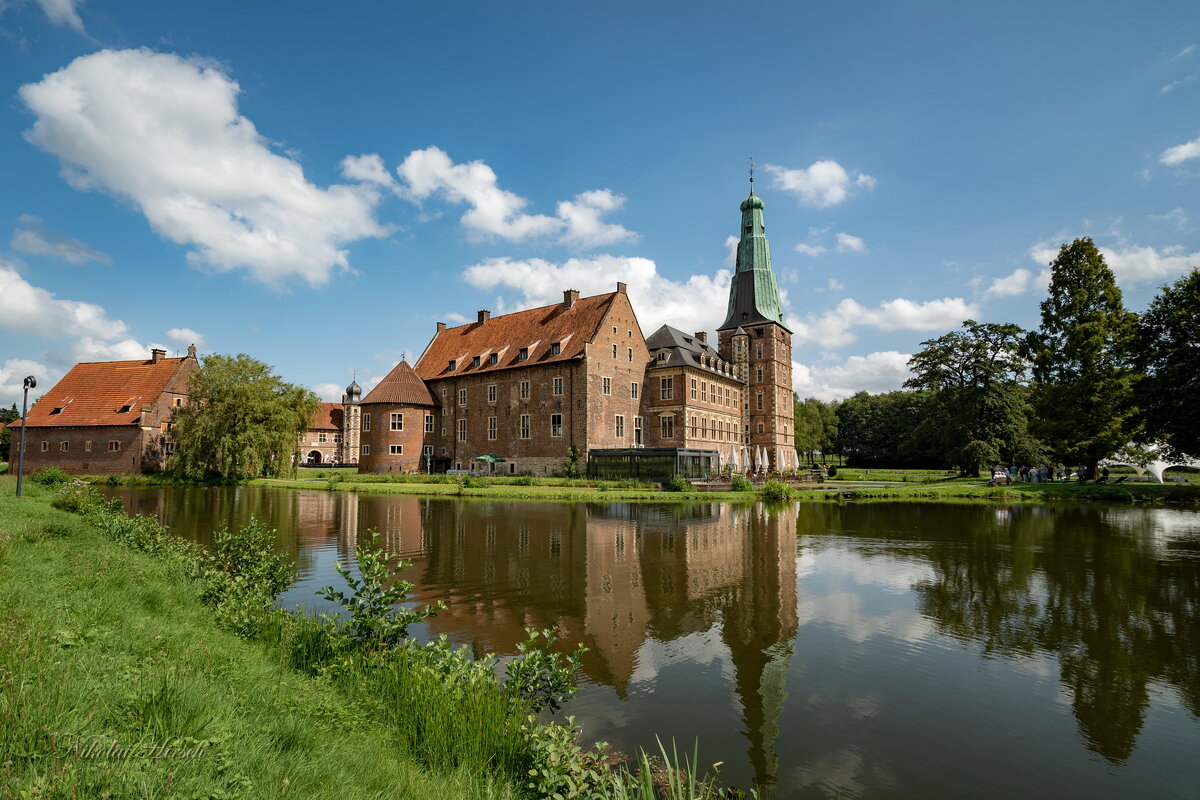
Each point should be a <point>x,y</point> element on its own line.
<point>832,328</point>
<point>182,338</point>
<point>699,303</point>
<point>850,244</point>
<point>585,229</point>
<point>12,380</point>
<point>165,133</point>
<point>1131,264</point>
<point>821,184</point>
<point>811,249</point>
<point>874,372</point>
<point>1180,153</point>
<point>33,237</point>
<point>329,392</point>
<point>63,12</point>
<point>29,309</point>
<point>1018,282</point>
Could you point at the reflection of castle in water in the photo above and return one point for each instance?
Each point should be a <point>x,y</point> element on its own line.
<point>610,577</point>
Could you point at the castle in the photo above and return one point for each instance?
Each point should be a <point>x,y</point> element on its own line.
<point>514,393</point>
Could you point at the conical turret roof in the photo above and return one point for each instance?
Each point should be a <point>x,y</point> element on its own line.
<point>753,292</point>
<point>400,386</point>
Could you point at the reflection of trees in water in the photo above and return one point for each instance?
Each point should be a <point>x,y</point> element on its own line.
<point>1119,612</point>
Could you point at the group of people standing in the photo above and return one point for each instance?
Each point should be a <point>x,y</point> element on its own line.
<point>1043,473</point>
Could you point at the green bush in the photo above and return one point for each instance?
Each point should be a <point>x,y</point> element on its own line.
<point>242,575</point>
<point>561,768</point>
<point>678,484</point>
<point>539,678</point>
<point>471,482</point>
<point>50,476</point>
<point>776,491</point>
<point>741,484</point>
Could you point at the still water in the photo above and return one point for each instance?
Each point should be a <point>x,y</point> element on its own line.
<point>899,650</point>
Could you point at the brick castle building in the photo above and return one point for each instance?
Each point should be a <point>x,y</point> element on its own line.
<point>513,393</point>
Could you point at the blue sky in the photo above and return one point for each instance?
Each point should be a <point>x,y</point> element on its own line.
<point>317,184</point>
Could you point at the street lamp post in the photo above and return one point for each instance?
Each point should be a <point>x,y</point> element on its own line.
<point>30,383</point>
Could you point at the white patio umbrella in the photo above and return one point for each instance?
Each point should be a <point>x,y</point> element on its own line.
<point>733,457</point>
<point>762,459</point>
<point>745,459</point>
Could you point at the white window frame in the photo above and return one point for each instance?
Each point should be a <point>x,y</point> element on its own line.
<point>556,385</point>
<point>462,430</point>
<point>397,421</point>
<point>606,385</point>
<point>524,390</point>
<point>556,425</point>
<point>524,427</point>
<point>366,421</point>
<point>666,388</point>
<point>492,428</point>
<point>491,393</point>
<point>395,449</point>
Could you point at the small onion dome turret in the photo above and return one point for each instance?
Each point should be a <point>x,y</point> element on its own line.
<point>753,201</point>
<point>353,392</point>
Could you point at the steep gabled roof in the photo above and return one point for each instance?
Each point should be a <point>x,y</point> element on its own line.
<point>104,393</point>
<point>400,386</point>
<point>536,330</point>
<point>685,350</point>
<point>327,418</point>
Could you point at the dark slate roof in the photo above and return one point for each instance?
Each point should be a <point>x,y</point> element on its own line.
<point>685,350</point>
<point>400,386</point>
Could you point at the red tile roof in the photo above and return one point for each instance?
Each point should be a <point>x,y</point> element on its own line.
<point>327,418</point>
<point>401,385</point>
<point>103,393</point>
<point>535,329</point>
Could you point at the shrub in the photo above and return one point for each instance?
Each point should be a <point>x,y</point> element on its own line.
<point>242,575</point>
<point>741,484</point>
<point>50,476</point>
<point>561,768</point>
<point>678,484</point>
<point>375,621</point>
<point>523,480</point>
<point>471,482</point>
<point>76,496</point>
<point>831,471</point>
<point>776,491</point>
<point>541,679</point>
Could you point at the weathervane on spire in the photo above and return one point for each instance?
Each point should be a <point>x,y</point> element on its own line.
<point>752,175</point>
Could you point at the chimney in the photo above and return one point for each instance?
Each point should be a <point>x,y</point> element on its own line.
<point>621,288</point>
<point>702,336</point>
<point>569,298</point>
<point>191,351</point>
<point>157,355</point>
<point>441,326</point>
<point>484,316</point>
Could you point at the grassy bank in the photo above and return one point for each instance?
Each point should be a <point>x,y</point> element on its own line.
<point>135,664</point>
<point>101,645</point>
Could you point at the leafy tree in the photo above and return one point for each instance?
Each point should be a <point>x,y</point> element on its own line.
<point>1083,383</point>
<point>242,421</point>
<point>7,415</point>
<point>879,430</point>
<point>815,426</point>
<point>1167,351</point>
<point>976,410</point>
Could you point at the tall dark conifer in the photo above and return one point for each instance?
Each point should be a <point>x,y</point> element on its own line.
<point>1082,377</point>
<point>1167,348</point>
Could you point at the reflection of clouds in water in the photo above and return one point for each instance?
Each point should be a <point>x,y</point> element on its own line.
<point>832,593</point>
<point>1166,524</point>
<point>840,773</point>
<point>705,648</point>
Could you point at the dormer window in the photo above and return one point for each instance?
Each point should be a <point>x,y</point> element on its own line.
<point>493,359</point>
<point>475,361</point>
<point>523,354</point>
<point>662,355</point>
<point>452,365</point>
<point>555,349</point>
<point>56,411</point>
<point>125,409</point>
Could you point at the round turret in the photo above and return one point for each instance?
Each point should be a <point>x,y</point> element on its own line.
<point>353,392</point>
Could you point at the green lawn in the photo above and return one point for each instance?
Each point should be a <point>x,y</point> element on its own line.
<point>101,645</point>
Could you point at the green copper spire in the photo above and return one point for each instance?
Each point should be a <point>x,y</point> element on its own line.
<point>753,293</point>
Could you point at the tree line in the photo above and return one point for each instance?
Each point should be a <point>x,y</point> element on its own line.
<point>1090,381</point>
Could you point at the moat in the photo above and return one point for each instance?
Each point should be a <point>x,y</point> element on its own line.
<point>906,650</point>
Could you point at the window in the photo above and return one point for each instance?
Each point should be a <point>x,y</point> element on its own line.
<point>667,428</point>
<point>630,349</point>
<point>524,390</point>
<point>556,424</point>
<point>462,430</point>
<point>759,401</point>
<point>397,422</point>
<point>760,427</point>
<point>694,383</point>
<point>633,390</point>
<point>443,451</point>
<point>524,426</point>
<point>475,361</point>
<point>114,446</point>
<point>491,427</point>
<point>704,391</point>
<point>451,367</point>
<point>558,385</point>
<point>337,438</point>
<point>179,402</point>
<point>429,423</point>
<point>491,392</point>
<point>666,388</point>
<point>365,449</point>
<point>704,427</point>
<point>493,359</point>
<point>64,447</point>
<point>619,427</point>
<point>168,448</point>
<point>629,334</point>
<point>606,385</point>
<point>758,349</point>
<point>366,422</point>
<point>726,395</point>
<point>87,446</point>
<point>462,397</point>
<point>691,426</point>
<point>445,410</point>
<point>396,449</point>
<point>427,450</point>
<point>758,375</point>
<point>321,437</point>
<point>614,347</point>
<point>45,447</point>
<point>661,355</point>
<point>637,430</point>
<point>523,354</point>
<point>614,330</point>
<point>555,349</point>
